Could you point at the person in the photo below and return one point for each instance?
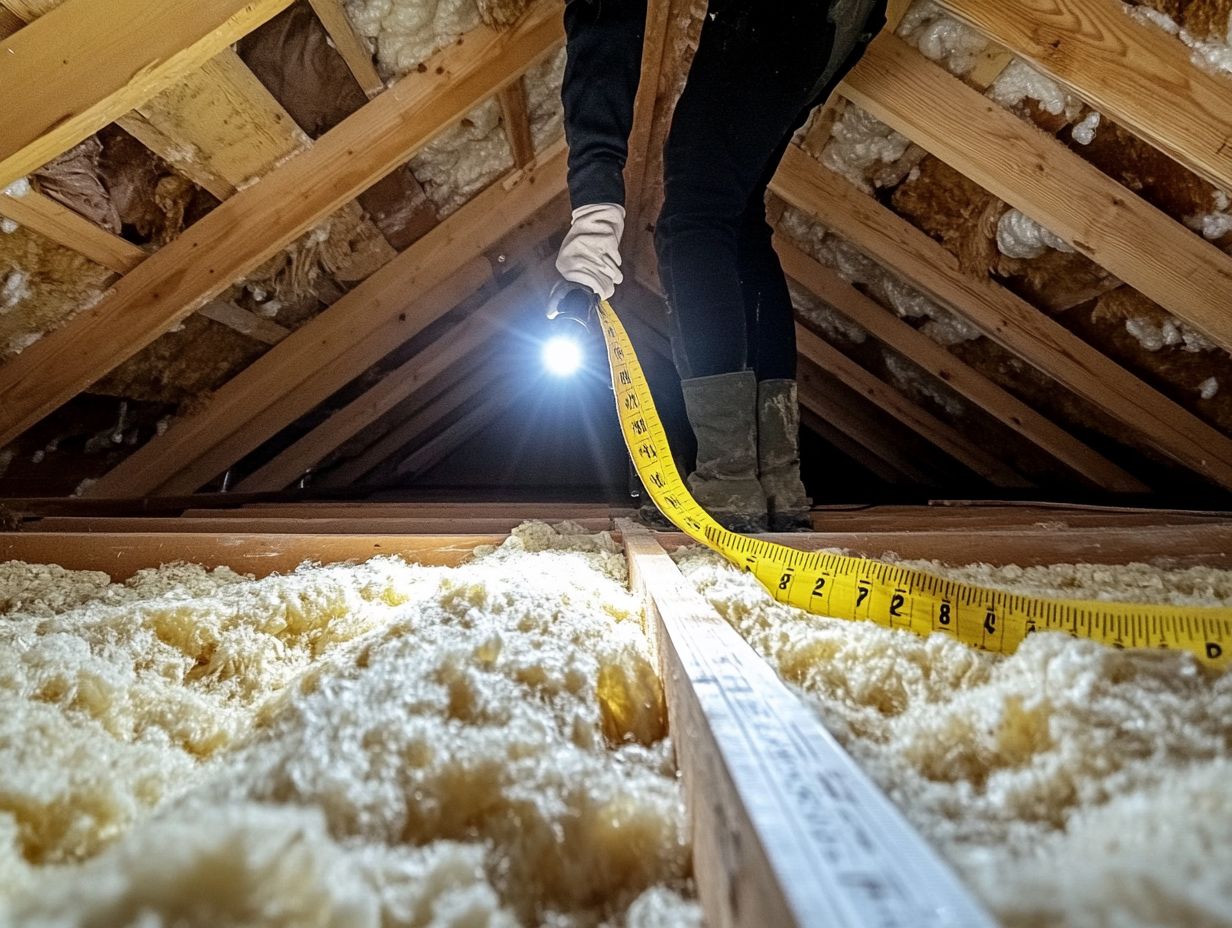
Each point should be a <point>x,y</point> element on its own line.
<point>761,67</point>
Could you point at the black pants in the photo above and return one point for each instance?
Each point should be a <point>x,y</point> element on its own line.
<point>756,77</point>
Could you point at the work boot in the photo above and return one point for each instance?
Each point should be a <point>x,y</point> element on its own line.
<point>778,456</point>
<point>723,412</point>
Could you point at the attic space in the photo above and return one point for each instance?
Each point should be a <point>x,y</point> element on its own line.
<point>360,567</point>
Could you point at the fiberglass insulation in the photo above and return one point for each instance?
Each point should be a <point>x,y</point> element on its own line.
<point>383,744</point>
<point>1069,784</point>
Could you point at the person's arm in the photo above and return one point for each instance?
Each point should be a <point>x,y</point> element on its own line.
<point>604,65</point>
<point>602,71</point>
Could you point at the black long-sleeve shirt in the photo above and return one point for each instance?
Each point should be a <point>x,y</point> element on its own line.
<point>604,47</point>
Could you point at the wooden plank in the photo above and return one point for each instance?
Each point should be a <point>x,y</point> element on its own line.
<point>50,108</point>
<point>1167,546</point>
<point>553,512</point>
<point>283,526</point>
<point>10,22</point>
<point>350,45</point>
<point>122,555</point>
<point>1038,175</point>
<point>459,433</point>
<point>407,431</point>
<point>450,350</point>
<point>984,518</point>
<point>923,423</point>
<point>1005,318</point>
<point>786,828</point>
<point>444,267</point>
<point>1134,73</point>
<point>516,117</point>
<point>55,221</point>
<point>245,322</point>
<point>257,222</point>
<point>654,47</point>
<point>883,325</point>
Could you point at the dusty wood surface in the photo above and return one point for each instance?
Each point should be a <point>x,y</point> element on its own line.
<point>1005,318</point>
<point>49,107</point>
<point>787,831</point>
<point>515,114</point>
<point>52,220</point>
<point>349,44</point>
<point>883,325</point>
<point>122,555</point>
<point>257,222</point>
<point>1136,74</point>
<point>245,322</point>
<point>1038,175</point>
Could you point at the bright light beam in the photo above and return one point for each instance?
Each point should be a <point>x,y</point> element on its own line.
<point>562,356</point>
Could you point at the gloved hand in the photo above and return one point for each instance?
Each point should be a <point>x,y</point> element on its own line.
<point>590,253</point>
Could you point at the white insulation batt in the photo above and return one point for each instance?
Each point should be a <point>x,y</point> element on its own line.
<point>368,745</point>
<point>1070,784</point>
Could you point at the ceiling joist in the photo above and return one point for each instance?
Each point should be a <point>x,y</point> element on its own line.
<point>56,222</point>
<point>1005,318</point>
<point>350,44</point>
<point>1037,174</point>
<point>257,222</point>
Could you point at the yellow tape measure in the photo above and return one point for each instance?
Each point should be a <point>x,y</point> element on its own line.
<point>895,597</point>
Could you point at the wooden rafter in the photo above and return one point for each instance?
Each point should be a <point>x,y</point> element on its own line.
<point>416,288</point>
<point>450,349</point>
<point>1038,175</point>
<point>936,360</point>
<point>50,108</point>
<point>350,45</point>
<point>516,117</point>
<point>1005,318</point>
<point>257,222</point>
<point>919,420</point>
<point>56,222</point>
<point>410,429</point>
<point>1136,74</point>
<point>654,48</point>
<point>245,322</point>
<point>851,449</point>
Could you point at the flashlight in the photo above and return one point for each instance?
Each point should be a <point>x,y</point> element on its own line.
<point>570,308</point>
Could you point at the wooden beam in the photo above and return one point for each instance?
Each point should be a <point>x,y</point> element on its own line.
<point>547,512</point>
<point>56,222</point>
<point>821,400</point>
<point>1169,546</point>
<point>10,22</point>
<point>1136,74</point>
<point>295,526</point>
<point>450,350</point>
<point>350,45</point>
<point>883,325</point>
<point>1005,318</point>
<point>456,435</point>
<point>50,108</point>
<point>787,830</point>
<point>923,423</point>
<point>1030,517</point>
<point>388,445</point>
<point>516,117</point>
<point>1038,175</point>
<point>245,322</point>
<point>257,222</point>
<point>122,555</point>
<point>443,268</point>
<point>654,47</point>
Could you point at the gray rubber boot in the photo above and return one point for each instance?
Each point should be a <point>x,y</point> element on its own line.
<point>723,412</point>
<point>778,455</point>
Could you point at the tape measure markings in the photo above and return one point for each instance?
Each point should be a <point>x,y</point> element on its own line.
<point>892,596</point>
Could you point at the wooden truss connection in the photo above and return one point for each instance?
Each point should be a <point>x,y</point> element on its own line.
<point>257,222</point>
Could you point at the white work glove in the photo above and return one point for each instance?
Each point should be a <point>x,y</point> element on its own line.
<point>590,253</point>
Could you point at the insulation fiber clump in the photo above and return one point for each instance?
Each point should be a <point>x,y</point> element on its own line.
<point>1069,783</point>
<point>383,744</point>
